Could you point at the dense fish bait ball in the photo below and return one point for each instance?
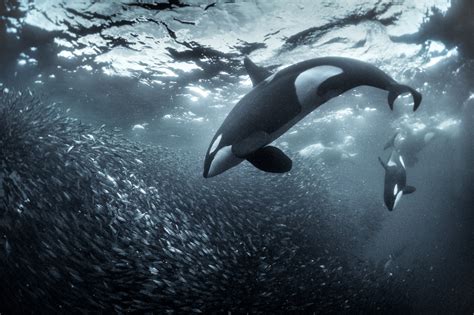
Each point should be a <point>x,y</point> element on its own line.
<point>92,222</point>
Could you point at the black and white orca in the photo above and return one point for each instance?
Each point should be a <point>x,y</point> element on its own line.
<point>395,180</point>
<point>410,143</point>
<point>280,100</point>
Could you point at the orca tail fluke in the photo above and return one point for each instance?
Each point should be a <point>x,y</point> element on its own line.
<point>395,90</point>
<point>391,143</point>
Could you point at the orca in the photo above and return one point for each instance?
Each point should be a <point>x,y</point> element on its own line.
<point>391,142</point>
<point>409,143</point>
<point>278,101</point>
<point>395,180</point>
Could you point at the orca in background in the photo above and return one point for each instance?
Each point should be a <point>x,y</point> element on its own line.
<point>395,180</point>
<point>280,100</point>
<point>410,143</point>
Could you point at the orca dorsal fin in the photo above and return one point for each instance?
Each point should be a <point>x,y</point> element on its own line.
<point>270,159</point>
<point>382,163</point>
<point>257,74</point>
<point>408,190</point>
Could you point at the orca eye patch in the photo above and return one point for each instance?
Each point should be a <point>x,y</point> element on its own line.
<point>401,161</point>
<point>215,144</point>
<point>397,199</point>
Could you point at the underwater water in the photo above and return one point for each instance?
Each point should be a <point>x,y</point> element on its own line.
<point>107,110</point>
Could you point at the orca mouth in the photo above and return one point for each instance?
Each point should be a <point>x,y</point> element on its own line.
<point>389,204</point>
<point>222,160</point>
<point>207,166</point>
<point>205,174</point>
<point>210,167</point>
<point>208,173</point>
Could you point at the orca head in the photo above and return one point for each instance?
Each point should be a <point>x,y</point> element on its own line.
<point>219,157</point>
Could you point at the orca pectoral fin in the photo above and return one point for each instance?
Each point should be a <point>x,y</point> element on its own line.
<point>257,74</point>
<point>408,190</point>
<point>396,89</point>
<point>252,143</point>
<point>270,159</point>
